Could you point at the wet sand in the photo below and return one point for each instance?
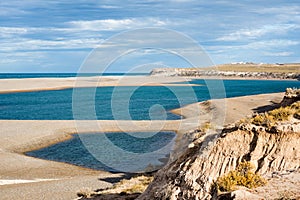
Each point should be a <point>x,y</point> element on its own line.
<point>19,136</point>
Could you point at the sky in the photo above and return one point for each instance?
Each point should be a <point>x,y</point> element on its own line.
<point>58,35</point>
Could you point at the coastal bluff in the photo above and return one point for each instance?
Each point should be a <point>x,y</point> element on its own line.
<point>247,70</point>
<point>272,146</point>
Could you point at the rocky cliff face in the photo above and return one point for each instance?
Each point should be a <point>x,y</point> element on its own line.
<point>192,174</point>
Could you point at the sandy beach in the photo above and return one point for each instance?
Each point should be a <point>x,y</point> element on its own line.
<point>38,84</point>
<point>23,177</point>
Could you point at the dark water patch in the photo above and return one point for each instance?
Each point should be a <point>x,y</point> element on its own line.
<point>140,145</point>
<point>236,88</point>
<point>76,150</point>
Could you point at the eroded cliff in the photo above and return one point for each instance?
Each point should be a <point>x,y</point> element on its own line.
<point>271,145</point>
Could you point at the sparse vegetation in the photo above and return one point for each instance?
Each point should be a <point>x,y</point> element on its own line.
<point>242,176</point>
<point>281,114</point>
<point>138,186</point>
<point>135,185</point>
<point>206,126</point>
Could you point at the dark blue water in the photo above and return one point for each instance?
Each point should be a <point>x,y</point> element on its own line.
<point>61,75</point>
<point>236,88</point>
<point>57,104</point>
<point>75,151</point>
<point>142,103</point>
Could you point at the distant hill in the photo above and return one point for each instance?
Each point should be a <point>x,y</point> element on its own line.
<point>253,67</point>
<point>236,70</point>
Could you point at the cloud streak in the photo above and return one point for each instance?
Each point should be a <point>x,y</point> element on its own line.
<point>254,33</point>
<point>116,24</point>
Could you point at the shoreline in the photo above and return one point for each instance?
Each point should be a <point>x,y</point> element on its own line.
<point>69,129</point>
<point>190,118</point>
<point>240,78</point>
<point>187,112</point>
<point>8,86</point>
<point>21,136</point>
<point>40,84</point>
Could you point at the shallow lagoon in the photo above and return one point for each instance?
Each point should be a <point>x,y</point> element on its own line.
<point>89,150</point>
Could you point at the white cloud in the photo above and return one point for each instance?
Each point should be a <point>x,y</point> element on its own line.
<point>244,34</point>
<point>288,10</point>
<point>260,45</point>
<point>271,44</point>
<point>285,53</point>
<point>115,24</point>
<point>77,34</point>
<point>182,1</point>
<point>108,7</point>
<point>11,11</point>
<point>7,32</point>
<point>31,44</point>
<point>19,57</point>
<point>281,14</point>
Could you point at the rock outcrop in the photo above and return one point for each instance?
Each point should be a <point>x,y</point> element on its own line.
<point>193,173</point>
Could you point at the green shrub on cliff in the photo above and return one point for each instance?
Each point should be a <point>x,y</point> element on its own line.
<point>242,176</point>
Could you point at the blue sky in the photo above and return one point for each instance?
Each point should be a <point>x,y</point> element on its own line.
<point>57,35</point>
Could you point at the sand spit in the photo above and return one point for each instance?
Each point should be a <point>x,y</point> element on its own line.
<point>39,84</point>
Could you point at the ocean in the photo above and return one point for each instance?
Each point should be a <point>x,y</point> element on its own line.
<point>127,103</point>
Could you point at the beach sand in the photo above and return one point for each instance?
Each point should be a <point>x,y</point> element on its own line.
<point>18,136</point>
<point>38,84</point>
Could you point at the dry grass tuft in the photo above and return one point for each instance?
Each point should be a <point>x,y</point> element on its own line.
<point>242,176</point>
<point>281,114</point>
<point>135,185</point>
<point>206,126</point>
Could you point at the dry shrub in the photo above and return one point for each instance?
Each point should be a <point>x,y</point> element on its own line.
<point>242,176</point>
<point>281,114</point>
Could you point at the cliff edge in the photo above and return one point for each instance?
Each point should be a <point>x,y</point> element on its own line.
<point>270,141</point>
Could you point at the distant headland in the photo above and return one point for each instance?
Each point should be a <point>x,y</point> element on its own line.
<point>236,70</point>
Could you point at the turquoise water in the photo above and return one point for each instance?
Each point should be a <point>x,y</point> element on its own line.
<point>141,103</point>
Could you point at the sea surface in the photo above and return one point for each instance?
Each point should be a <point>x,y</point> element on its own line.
<point>132,153</point>
<point>127,103</point>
